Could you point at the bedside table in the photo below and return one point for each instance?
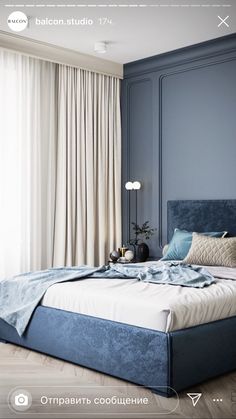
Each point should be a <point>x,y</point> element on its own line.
<point>110,262</point>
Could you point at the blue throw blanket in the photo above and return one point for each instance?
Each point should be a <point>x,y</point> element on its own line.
<point>20,295</point>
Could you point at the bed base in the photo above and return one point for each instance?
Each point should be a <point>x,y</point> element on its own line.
<point>176,360</point>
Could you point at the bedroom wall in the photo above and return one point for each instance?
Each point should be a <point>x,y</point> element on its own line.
<point>179,130</point>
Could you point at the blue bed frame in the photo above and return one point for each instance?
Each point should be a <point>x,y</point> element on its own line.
<point>165,362</point>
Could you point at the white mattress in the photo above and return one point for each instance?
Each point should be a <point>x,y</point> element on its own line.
<point>153,306</point>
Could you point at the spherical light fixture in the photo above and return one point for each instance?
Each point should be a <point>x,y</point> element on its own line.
<point>129,186</point>
<point>136,185</point>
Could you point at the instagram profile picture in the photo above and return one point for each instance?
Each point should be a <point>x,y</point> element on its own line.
<point>17,21</point>
<point>20,400</point>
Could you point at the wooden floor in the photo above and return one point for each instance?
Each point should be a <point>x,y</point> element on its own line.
<point>42,375</point>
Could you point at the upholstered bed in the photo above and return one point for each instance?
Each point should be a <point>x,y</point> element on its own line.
<point>165,361</point>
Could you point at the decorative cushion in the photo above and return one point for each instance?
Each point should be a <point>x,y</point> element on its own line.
<point>165,249</point>
<point>181,242</point>
<point>212,251</point>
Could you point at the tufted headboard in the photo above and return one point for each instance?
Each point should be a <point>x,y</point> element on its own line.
<point>201,215</point>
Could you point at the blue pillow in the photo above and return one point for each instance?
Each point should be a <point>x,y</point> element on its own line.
<point>181,242</point>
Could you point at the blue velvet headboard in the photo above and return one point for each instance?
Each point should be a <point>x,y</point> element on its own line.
<point>200,216</point>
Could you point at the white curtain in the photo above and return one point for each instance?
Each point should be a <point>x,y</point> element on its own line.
<point>88,203</point>
<point>27,160</point>
<point>60,165</point>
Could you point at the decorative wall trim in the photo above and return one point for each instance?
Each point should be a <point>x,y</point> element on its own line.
<point>182,56</point>
<point>160,140</point>
<point>157,69</point>
<point>60,55</point>
<point>128,148</point>
<point>160,227</point>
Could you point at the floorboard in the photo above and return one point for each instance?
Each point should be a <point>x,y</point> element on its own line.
<point>44,375</point>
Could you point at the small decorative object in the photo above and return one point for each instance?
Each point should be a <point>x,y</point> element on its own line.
<point>142,232</point>
<point>129,255</point>
<point>142,252</point>
<point>164,250</point>
<point>114,255</point>
<point>123,249</point>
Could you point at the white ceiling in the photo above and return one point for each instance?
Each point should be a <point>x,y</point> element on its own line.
<point>139,29</point>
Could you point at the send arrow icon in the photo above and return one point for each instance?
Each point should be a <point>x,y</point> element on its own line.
<point>194,397</point>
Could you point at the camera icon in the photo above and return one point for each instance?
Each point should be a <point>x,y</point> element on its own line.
<point>21,400</point>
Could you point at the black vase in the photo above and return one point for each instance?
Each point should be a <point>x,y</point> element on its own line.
<point>142,252</point>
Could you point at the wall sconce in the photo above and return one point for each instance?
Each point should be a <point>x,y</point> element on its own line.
<point>133,186</point>
<point>129,186</point>
<point>136,185</point>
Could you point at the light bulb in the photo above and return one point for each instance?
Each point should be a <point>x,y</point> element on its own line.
<point>129,186</point>
<point>136,185</point>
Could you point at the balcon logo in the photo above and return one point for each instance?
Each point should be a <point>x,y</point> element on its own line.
<point>17,21</point>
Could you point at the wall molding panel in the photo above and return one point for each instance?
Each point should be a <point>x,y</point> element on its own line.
<point>190,54</point>
<point>178,129</point>
<point>160,139</point>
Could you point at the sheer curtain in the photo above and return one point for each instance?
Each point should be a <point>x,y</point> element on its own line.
<point>27,160</point>
<point>60,164</point>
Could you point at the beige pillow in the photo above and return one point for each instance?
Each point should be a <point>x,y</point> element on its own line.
<point>209,251</point>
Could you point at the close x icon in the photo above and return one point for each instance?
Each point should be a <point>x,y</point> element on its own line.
<point>223,21</point>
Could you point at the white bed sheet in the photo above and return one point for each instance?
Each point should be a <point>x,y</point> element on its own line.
<point>153,306</point>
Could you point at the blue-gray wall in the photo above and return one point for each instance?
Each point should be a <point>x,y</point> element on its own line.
<point>179,130</point>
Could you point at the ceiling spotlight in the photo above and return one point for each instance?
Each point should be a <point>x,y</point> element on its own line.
<point>100,47</point>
